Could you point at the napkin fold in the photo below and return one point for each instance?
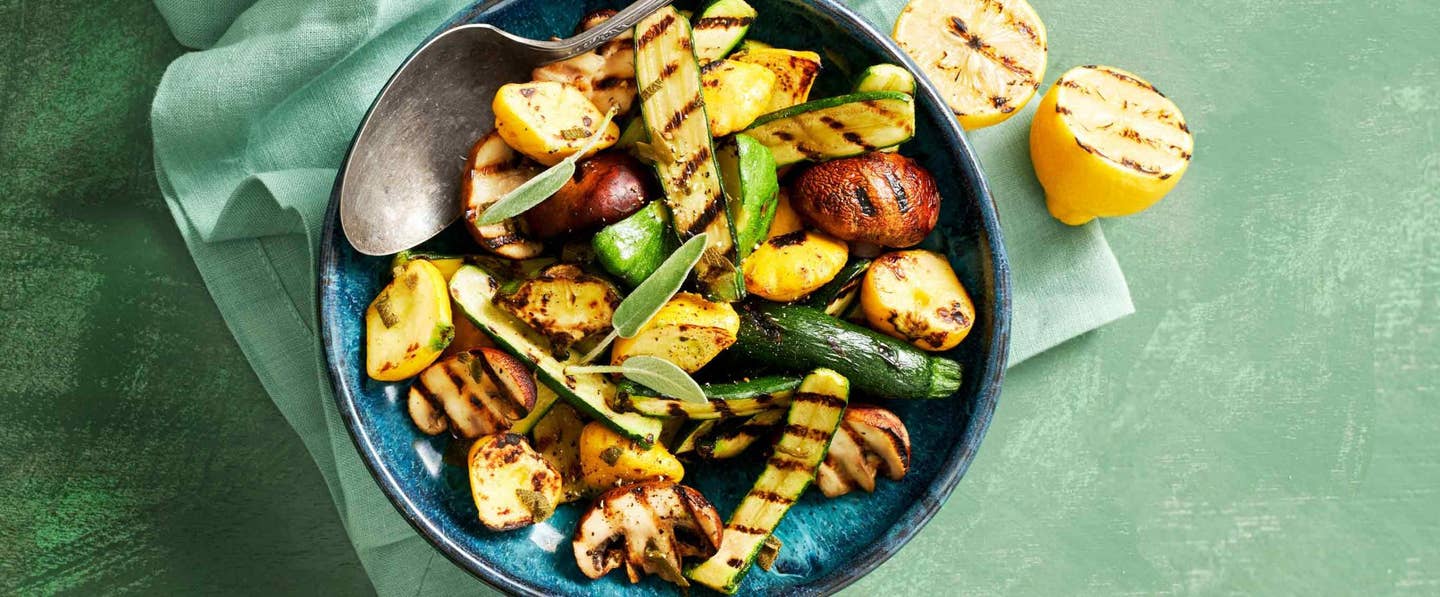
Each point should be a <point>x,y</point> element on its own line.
<point>249,131</point>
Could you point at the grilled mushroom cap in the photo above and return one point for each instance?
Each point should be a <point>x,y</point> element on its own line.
<point>647,527</point>
<point>879,198</point>
<point>870,440</point>
<point>480,392</point>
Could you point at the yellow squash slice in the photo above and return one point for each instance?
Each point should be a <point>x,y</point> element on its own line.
<point>408,324</point>
<point>549,121</point>
<point>1107,143</point>
<point>511,484</point>
<point>987,57</point>
<point>795,73</point>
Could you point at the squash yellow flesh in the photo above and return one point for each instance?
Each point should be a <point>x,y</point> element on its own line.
<point>915,296</point>
<point>549,121</point>
<point>609,459</point>
<point>795,73</point>
<point>789,267</point>
<point>736,93</point>
<point>408,324</point>
<point>688,331</point>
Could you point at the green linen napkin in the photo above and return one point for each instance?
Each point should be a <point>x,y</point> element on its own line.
<point>248,134</point>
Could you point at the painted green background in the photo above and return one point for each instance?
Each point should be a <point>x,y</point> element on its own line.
<point>1267,422</point>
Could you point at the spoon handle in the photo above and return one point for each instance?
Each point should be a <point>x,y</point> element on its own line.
<point>605,31</point>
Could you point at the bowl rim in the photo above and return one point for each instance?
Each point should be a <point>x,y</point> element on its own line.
<point>911,521</point>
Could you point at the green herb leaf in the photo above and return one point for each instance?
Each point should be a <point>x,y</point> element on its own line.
<point>538,189</point>
<point>662,376</point>
<point>652,294</point>
<point>540,508</point>
<point>388,318</point>
<point>769,552</point>
<point>611,455</point>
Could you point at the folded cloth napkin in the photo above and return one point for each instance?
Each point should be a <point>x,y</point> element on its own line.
<point>249,132</point>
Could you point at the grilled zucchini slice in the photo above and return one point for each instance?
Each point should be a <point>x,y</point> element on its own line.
<point>474,290</point>
<point>737,399</point>
<point>837,127</point>
<point>732,438</point>
<point>720,27</point>
<point>814,414</point>
<point>886,77</point>
<point>674,112</point>
<point>557,438</point>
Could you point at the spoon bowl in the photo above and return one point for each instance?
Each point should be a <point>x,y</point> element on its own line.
<point>401,180</point>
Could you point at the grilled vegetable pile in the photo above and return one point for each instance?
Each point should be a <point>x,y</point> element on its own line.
<point>632,234</point>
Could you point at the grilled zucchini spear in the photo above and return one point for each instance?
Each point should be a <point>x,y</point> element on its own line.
<point>674,112</point>
<point>814,414</point>
<point>836,127</point>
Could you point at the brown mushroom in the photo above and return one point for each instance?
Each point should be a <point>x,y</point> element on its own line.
<point>474,393</point>
<point>605,189</point>
<point>648,528</point>
<point>870,440</point>
<point>881,198</point>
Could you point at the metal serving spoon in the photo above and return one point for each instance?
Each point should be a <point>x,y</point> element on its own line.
<point>402,177</point>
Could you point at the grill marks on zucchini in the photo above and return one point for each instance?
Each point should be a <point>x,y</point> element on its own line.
<point>473,290</point>
<point>837,127</point>
<point>738,399</point>
<point>798,337</point>
<point>673,110</point>
<point>720,27</point>
<point>818,405</point>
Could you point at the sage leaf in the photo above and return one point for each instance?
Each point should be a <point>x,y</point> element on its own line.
<point>664,377</point>
<point>536,190</point>
<point>652,294</point>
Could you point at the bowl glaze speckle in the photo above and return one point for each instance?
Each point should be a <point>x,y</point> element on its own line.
<point>827,543</point>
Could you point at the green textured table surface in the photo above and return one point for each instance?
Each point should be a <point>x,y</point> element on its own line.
<point>1267,422</point>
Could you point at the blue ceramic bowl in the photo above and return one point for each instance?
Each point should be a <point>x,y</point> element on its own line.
<point>828,543</point>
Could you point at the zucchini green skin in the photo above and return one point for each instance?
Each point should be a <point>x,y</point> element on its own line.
<point>545,399</point>
<point>737,399</point>
<point>473,290</point>
<point>836,127</point>
<point>732,438</point>
<point>693,432</point>
<point>634,247</point>
<point>752,188</point>
<point>810,423</point>
<point>803,337</point>
<point>886,77</point>
<point>720,27</point>
<point>836,296</point>
<point>674,112</point>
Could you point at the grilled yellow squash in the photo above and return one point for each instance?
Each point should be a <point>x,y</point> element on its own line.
<point>609,459</point>
<point>688,331</point>
<point>512,485</point>
<point>549,121</point>
<point>736,93</point>
<point>915,296</point>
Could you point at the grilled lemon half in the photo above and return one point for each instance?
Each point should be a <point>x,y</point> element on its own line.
<point>987,57</point>
<point>1105,143</point>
